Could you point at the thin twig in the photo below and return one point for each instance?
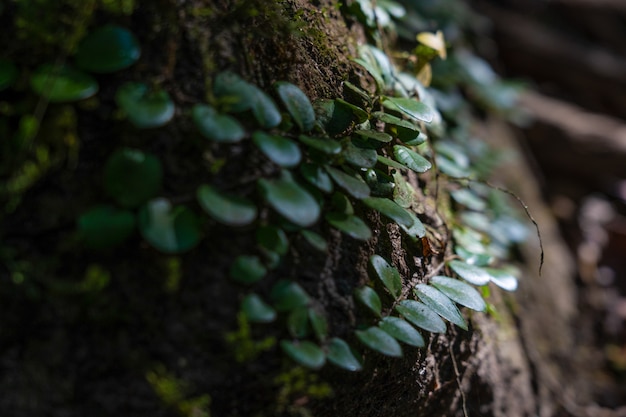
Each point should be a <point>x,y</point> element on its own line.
<point>457,375</point>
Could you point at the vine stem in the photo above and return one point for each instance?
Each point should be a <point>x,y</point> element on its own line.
<point>457,375</point>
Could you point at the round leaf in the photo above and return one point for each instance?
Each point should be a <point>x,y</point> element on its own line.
<point>169,229</point>
<point>60,84</point>
<point>389,275</point>
<point>235,93</point>
<point>287,295</point>
<point>265,110</point>
<point>257,310</point>
<point>410,107</point>
<point>350,225</point>
<point>440,304</point>
<point>105,227</point>
<point>354,185</point>
<point>297,104</point>
<point>8,74</point>
<point>340,354</point>
<point>290,200</point>
<point>273,239</point>
<point>360,157</point>
<point>380,341</point>
<point>318,322</point>
<point>143,107</point>
<point>390,209</point>
<point>305,353</point>
<point>215,126</point>
<point>334,117</point>
<point>230,210</point>
<point>421,316</point>
<point>132,177</point>
<point>470,273</point>
<point>108,49</point>
<point>315,175</point>
<point>325,145</point>
<point>460,292</point>
<point>402,331</point>
<point>298,322</point>
<point>278,149</point>
<point>369,298</point>
<point>315,240</point>
<point>411,159</point>
<point>247,269</point>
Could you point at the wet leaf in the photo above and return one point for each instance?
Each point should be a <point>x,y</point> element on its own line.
<point>421,316</point>
<point>297,104</point>
<point>369,298</point>
<point>340,354</point>
<point>411,159</point>
<point>304,353</point>
<point>354,185</point>
<point>380,341</point>
<point>247,269</point>
<point>460,292</point>
<point>440,304</point>
<point>470,273</point>
<point>402,331</point>
<point>61,84</point>
<point>170,229</point>
<point>287,295</point>
<point>215,126</point>
<point>132,177</point>
<point>350,225</point>
<point>257,310</point>
<point>389,209</point>
<point>409,107</point>
<point>280,150</point>
<point>315,240</point>
<point>105,227</point>
<point>290,200</point>
<point>389,275</point>
<point>230,210</point>
<point>145,108</point>
<point>107,49</point>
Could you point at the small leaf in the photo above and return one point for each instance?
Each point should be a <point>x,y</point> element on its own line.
<point>340,354</point>
<point>460,292</point>
<point>257,310</point>
<point>290,200</point>
<point>350,225</point>
<point>108,49</point>
<point>502,279</point>
<point>287,295</point>
<point>360,114</point>
<point>145,108</point>
<point>278,149</point>
<point>390,162</point>
<point>369,298</point>
<point>357,92</point>
<point>470,273</point>
<point>421,316</point>
<point>132,177</point>
<point>374,72</point>
<point>298,322</point>
<point>315,175</point>
<point>265,110</point>
<point>393,120</point>
<point>434,41</point>
<point>440,304</point>
<point>411,159</point>
<point>410,137</point>
<point>390,209</point>
<point>230,210</point>
<point>8,73</point>
<point>374,135</point>
<point>305,353</point>
<point>380,341</point>
<point>234,92</point>
<point>360,157</point>
<point>389,275</point>
<point>169,229</point>
<point>469,199</point>
<point>315,240</point>
<point>417,229</point>
<point>381,184</point>
<point>402,331</point>
<point>325,145</point>
<point>319,323</point>
<point>410,107</point>
<point>272,239</point>
<point>247,269</point>
<point>334,117</point>
<point>354,185</point>
<point>61,84</point>
<point>215,126</point>
<point>105,227</point>
<point>341,204</point>
<point>297,104</point>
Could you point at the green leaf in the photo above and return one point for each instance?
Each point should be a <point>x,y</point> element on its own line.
<point>410,107</point>
<point>354,185</point>
<point>145,108</point>
<point>105,227</point>
<point>440,304</point>
<point>230,210</point>
<point>305,353</point>
<point>132,177</point>
<point>421,316</point>
<point>315,240</point>
<point>374,135</point>
<point>357,92</point>
<point>469,199</point>
<point>297,104</point>
<point>325,145</point>
<point>460,292</point>
<point>107,49</point>
<point>287,295</point>
<point>380,341</point>
<point>374,72</point>
<point>333,116</point>
<point>341,204</point>
<point>390,209</point>
<point>265,110</point>
<point>470,273</point>
<point>215,126</point>
<point>381,184</point>
<point>316,176</point>
<point>411,137</point>
<point>290,200</point>
<point>169,229</point>
<point>247,269</point>
<point>340,354</point>
<point>402,331</point>
<point>502,278</point>
<point>360,114</point>
<point>360,157</point>
<point>298,322</point>
<point>369,298</point>
<point>390,162</point>
<point>61,84</point>
<point>389,275</point>
<point>318,323</point>
<point>394,121</point>
<point>278,149</point>
<point>257,310</point>
<point>350,225</point>
<point>8,73</point>
<point>403,194</point>
<point>411,159</point>
<point>273,239</point>
<point>235,93</point>
<point>417,229</point>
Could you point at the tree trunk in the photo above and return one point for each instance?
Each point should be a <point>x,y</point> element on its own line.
<point>131,331</point>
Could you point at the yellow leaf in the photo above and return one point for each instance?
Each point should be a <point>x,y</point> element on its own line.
<point>434,41</point>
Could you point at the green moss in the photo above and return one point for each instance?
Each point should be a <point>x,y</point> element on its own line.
<point>174,393</point>
<point>297,382</point>
<point>245,348</point>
